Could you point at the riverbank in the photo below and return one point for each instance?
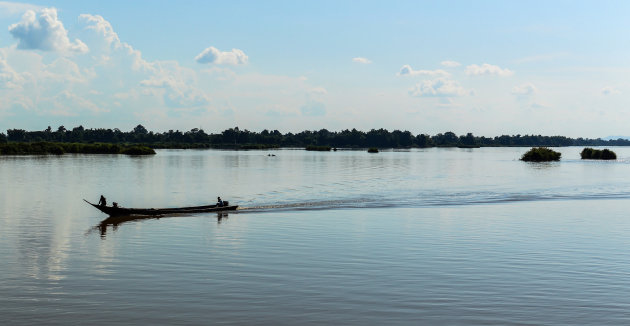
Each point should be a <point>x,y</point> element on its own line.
<point>44,148</point>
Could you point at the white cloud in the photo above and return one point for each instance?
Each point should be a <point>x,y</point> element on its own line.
<point>313,109</point>
<point>213,55</point>
<point>610,91</point>
<point>45,33</point>
<point>450,64</point>
<point>406,70</point>
<point>108,44</point>
<point>179,83</point>
<point>318,91</point>
<point>487,69</point>
<point>220,73</point>
<point>15,8</point>
<point>361,60</point>
<point>441,87</point>
<point>65,70</point>
<point>9,78</point>
<point>114,85</point>
<point>67,99</point>
<point>102,27</point>
<point>524,90</point>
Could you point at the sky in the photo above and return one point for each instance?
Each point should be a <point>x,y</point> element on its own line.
<point>486,67</point>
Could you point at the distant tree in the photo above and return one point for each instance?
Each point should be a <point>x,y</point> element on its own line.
<point>423,141</point>
<point>140,129</point>
<point>76,135</point>
<point>230,136</point>
<point>3,138</point>
<point>16,135</point>
<point>447,139</point>
<point>468,140</point>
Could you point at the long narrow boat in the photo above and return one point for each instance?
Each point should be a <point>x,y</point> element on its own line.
<point>121,211</point>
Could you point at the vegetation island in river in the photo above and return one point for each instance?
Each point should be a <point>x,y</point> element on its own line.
<point>596,154</point>
<point>235,138</point>
<point>541,154</point>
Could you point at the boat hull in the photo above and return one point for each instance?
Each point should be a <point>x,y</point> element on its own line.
<point>122,211</point>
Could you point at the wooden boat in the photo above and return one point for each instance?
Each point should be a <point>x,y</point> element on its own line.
<point>122,211</point>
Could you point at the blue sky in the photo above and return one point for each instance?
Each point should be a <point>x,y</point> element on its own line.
<point>487,67</point>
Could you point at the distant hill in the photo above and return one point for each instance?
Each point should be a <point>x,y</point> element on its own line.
<point>616,137</point>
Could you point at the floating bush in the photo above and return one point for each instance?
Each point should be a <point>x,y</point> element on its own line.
<point>541,154</point>
<point>373,150</point>
<point>596,154</point>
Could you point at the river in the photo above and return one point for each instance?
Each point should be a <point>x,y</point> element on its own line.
<point>440,236</point>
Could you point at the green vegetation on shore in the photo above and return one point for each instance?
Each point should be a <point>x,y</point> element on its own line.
<point>318,148</point>
<point>43,148</point>
<point>596,154</point>
<point>541,154</point>
<point>235,138</point>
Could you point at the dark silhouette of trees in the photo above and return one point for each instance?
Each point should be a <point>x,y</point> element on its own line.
<point>596,154</point>
<point>541,154</point>
<point>243,138</point>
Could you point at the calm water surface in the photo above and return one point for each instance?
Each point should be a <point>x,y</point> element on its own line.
<point>433,237</point>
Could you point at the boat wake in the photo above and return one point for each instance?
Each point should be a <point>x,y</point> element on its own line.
<point>429,200</point>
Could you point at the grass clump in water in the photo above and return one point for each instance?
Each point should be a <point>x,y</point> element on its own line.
<point>372,150</point>
<point>596,154</point>
<point>541,154</point>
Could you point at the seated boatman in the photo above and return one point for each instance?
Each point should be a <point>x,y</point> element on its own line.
<point>219,202</point>
<point>102,201</point>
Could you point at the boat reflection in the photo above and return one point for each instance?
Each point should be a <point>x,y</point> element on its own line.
<point>115,221</point>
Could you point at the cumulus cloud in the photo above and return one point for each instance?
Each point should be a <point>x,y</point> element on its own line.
<point>406,70</point>
<point>450,64</point>
<point>487,69</point>
<point>610,91</point>
<point>101,26</point>
<point>213,55</point>
<point>9,78</point>
<point>115,77</point>
<point>66,100</point>
<point>15,8</point>
<point>179,84</point>
<point>441,87</point>
<point>45,33</point>
<point>361,60</point>
<point>111,45</point>
<point>524,90</point>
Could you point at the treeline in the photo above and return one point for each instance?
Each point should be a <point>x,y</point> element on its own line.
<point>245,139</point>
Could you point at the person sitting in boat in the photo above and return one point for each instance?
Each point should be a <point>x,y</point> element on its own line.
<point>102,201</point>
<point>219,202</point>
<point>115,205</point>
